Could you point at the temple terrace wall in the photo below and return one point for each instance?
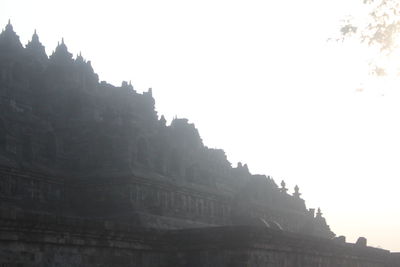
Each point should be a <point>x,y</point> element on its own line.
<point>30,240</point>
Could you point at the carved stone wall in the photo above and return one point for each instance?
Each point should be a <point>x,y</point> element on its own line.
<point>67,138</point>
<point>29,241</point>
<point>31,191</point>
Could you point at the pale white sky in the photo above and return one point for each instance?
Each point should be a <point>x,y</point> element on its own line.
<point>260,80</point>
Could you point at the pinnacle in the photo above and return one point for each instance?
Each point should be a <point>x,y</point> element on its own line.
<point>35,37</point>
<point>9,37</point>
<point>9,26</point>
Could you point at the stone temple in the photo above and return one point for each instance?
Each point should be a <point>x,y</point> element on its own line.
<point>91,175</point>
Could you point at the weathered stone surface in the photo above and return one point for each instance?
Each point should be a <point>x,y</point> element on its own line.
<point>31,241</point>
<point>72,145</point>
<point>395,260</point>
<point>91,176</point>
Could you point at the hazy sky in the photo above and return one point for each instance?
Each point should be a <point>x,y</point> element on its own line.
<point>260,80</point>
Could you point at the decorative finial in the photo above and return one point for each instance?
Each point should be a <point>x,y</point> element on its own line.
<point>130,86</point>
<point>361,242</point>
<point>319,213</point>
<point>296,193</point>
<point>79,57</point>
<point>283,187</point>
<point>35,37</point>
<point>9,27</point>
<point>245,167</point>
<point>163,121</point>
<point>62,40</point>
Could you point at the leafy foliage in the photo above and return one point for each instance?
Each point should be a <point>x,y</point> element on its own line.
<point>381,26</point>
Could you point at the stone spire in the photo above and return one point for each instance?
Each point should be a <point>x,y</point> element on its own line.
<point>9,39</point>
<point>61,54</point>
<point>9,27</point>
<point>35,37</point>
<point>85,70</point>
<point>163,121</point>
<point>79,58</point>
<point>35,47</point>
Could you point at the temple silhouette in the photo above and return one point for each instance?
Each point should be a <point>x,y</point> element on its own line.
<point>80,155</point>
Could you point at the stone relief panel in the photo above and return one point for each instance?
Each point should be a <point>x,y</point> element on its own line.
<point>168,202</point>
<point>26,188</point>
